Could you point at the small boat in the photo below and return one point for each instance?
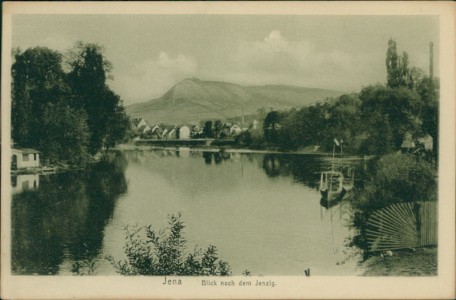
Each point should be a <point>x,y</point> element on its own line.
<point>337,182</point>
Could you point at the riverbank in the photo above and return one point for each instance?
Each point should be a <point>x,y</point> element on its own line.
<point>421,262</point>
<point>57,167</point>
<point>305,151</point>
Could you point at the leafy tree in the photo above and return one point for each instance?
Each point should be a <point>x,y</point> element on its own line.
<point>89,70</point>
<point>398,72</point>
<point>37,79</point>
<point>218,126</point>
<point>397,109</point>
<point>118,126</point>
<point>429,92</point>
<point>64,134</point>
<point>271,126</point>
<point>208,132</point>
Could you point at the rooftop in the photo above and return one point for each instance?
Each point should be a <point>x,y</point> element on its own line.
<point>26,150</point>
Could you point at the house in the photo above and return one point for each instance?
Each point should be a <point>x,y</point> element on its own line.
<point>415,145</point>
<point>196,131</point>
<point>169,132</point>
<point>144,128</point>
<point>426,142</point>
<point>408,143</point>
<point>254,125</point>
<point>142,123</point>
<point>135,122</point>
<point>184,132</point>
<point>172,134</point>
<point>235,129</point>
<point>23,158</point>
<point>24,182</point>
<point>155,132</point>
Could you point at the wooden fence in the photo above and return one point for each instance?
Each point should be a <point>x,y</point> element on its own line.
<point>403,225</point>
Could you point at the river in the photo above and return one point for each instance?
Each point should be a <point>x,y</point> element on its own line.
<point>261,211</point>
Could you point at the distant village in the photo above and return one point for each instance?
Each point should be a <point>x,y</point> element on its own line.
<point>141,129</point>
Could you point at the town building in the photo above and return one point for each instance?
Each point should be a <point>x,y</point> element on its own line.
<point>23,158</point>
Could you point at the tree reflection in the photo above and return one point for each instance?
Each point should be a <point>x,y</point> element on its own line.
<point>302,168</point>
<point>65,218</point>
<point>216,157</point>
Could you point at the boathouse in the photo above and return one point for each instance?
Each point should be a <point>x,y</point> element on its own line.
<point>24,158</point>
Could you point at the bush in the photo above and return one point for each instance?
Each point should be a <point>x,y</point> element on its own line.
<point>398,178</point>
<point>163,253</point>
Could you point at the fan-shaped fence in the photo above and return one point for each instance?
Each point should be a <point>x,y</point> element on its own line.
<point>403,225</point>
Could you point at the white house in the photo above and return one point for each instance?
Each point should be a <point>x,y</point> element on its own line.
<point>24,182</point>
<point>24,158</point>
<point>141,123</point>
<point>235,129</point>
<point>184,133</point>
<point>171,134</point>
<point>427,142</point>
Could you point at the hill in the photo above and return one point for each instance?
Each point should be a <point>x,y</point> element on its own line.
<point>193,100</point>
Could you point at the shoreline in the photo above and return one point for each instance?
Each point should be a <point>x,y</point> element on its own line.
<point>130,147</point>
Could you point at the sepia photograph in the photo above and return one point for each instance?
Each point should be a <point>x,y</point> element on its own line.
<point>195,150</point>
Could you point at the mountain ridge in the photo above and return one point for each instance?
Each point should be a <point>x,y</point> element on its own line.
<point>192,100</point>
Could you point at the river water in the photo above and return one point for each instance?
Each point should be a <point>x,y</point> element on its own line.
<point>262,212</point>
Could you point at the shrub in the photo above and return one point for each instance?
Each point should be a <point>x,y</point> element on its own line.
<point>164,253</point>
<point>398,178</point>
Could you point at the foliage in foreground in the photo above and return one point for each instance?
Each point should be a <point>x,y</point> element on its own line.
<point>164,253</point>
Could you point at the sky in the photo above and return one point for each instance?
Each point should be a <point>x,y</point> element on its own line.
<point>151,53</point>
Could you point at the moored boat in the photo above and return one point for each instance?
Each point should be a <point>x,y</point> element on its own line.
<point>337,182</point>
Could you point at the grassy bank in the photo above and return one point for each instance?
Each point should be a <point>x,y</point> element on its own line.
<point>421,262</point>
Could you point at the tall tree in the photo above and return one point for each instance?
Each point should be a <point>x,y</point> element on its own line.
<point>397,67</point>
<point>37,79</point>
<point>64,134</point>
<point>271,126</point>
<point>88,72</point>
<point>208,132</point>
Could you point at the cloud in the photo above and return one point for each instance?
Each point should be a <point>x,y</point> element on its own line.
<point>276,59</point>
<point>151,78</point>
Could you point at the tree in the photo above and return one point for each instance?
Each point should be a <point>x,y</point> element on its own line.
<point>383,107</point>
<point>207,130</point>
<point>37,79</point>
<point>64,134</point>
<point>218,126</point>
<point>429,92</point>
<point>89,70</point>
<point>271,126</point>
<point>397,68</point>
<point>43,94</point>
<point>118,126</point>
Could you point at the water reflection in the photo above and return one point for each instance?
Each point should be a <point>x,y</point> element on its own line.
<point>65,218</point>
<point>303,169</point>
<point>73,220</point>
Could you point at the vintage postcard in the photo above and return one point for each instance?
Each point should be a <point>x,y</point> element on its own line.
<point>228,150</point>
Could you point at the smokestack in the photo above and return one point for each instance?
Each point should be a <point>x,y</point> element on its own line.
<point>242,115</point>
<point>431,60</point>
